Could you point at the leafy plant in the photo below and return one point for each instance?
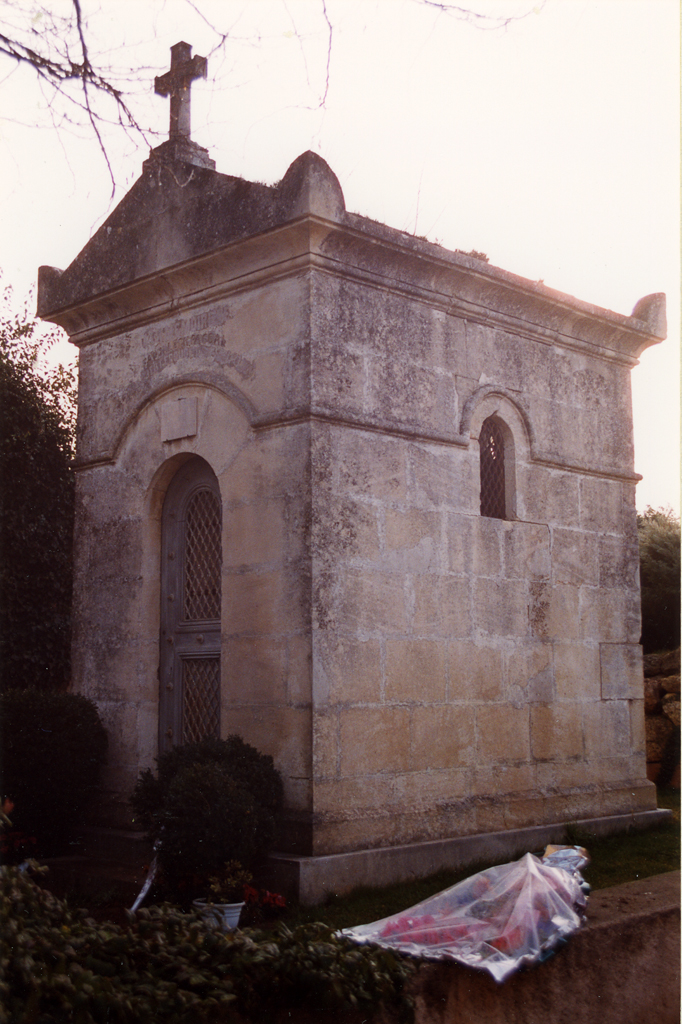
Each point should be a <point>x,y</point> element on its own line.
<point>659,554</point>
<point>53,746</point>
<point>209,802</point>
<point>228,884</point>
<point>37,416</point>
<point>62,967</point>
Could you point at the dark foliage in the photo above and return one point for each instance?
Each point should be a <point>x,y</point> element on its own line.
<point>166,966</point>
<point>659,554</point>
<point>53,746</point>
<point>209,802</point>
<point>36,512</point>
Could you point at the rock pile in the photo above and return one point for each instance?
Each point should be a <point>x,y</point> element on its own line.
<point>662,709</point>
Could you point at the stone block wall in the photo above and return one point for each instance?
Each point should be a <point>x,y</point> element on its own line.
<point>131,388</point>
<point>456,657</point>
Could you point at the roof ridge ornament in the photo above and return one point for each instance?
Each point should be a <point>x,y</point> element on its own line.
<point>176,83</point>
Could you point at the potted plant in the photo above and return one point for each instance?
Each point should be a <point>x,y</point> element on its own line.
<point>225,899</point>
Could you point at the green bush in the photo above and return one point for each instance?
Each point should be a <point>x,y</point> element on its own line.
<point>209,802</point>
<point>166,966</point>
<point>659,557</point>
<point>37,419</point>
<point>53,746</point>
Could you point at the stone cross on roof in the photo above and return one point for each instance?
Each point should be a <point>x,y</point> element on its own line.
<point>176,83</point>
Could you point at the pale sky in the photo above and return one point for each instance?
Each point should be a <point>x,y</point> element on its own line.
<point>551,145</point>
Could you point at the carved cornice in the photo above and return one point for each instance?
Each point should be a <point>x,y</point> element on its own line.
<point>387,260</point>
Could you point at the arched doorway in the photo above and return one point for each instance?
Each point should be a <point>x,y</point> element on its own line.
<point>191,563</point>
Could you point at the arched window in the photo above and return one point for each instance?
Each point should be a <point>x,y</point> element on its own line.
<point>493,478</point>
<point>191,552</point>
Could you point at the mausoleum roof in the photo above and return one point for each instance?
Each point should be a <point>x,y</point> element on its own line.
<point>180,211</point>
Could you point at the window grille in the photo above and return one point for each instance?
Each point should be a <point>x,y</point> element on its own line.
<point>201,698</point>
<point>191,564</point>
<point>493,497</point>
<point>202,557</point>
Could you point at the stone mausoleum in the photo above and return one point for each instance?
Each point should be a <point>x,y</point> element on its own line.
<point>367,502</point>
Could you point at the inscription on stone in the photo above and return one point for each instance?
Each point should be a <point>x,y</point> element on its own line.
<point>208,345</point>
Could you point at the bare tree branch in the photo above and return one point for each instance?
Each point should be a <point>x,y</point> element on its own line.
<point>329,53</point>
<point>480,19</point>
<point>222,36</point>
<point>33,35</point>
<point>300,41</point>
<point>46,52</point>
<point>87,69</point>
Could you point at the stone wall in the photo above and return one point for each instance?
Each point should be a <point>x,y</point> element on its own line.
<point>223,362</point>
<point>662,707</point>
<point>456,656</point>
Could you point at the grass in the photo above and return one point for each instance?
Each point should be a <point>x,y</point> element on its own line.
<point>613,860</point>
<point>624,858</point>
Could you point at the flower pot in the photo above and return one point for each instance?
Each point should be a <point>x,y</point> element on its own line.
<point>219,915</point>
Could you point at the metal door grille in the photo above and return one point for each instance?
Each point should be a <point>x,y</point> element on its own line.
<point>201,698</point>
<point>491,444</point>
<point>202,557</point>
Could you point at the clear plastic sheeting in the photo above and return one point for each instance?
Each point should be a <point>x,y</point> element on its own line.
<point>497,920</point>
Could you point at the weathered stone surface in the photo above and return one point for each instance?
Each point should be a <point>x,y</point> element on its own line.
<point>662,704</point>
<point>637,728</point>
<point>606,728</point>
<point>503,734</point>
<point>653,692</point>
<point>556,733</point>
<point>417,670</point>
<point>610,615</point>
<point>577,671</point>
<point>191,216</point>
<point>671,707</point>
<point>621,671</point>
<point>667,663</point>
<point>475,673</point>
<point>659,728</point>
<point>530,674</point>
<point>670,684</point>
<point>373,740</point>
<point>548,496</point>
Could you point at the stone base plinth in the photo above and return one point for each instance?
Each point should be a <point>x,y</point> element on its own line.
<point>312,879</point>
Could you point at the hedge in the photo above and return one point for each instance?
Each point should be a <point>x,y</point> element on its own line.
<point>53,746</point>
<point>60,966</point>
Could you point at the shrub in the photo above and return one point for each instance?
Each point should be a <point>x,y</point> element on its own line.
<point>659,554</point>
<point>209,802</point>
<point>60,966</point>
<point>37,417</point>
<point>53,746</point>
